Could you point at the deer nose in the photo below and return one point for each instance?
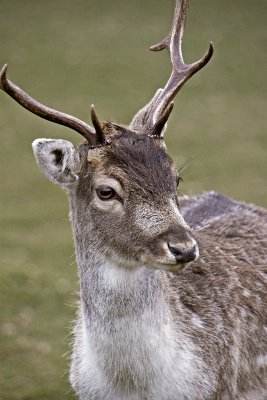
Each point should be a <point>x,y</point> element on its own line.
<point>183,254</point>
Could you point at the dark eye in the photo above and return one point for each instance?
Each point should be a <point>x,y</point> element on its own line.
<point>105,193</point>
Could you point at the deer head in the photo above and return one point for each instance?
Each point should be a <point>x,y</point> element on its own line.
<point>121,182</point>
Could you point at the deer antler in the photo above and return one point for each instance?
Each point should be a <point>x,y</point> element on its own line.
<point>158,109</point>
<point>48,113</point>
<point>99,133</point>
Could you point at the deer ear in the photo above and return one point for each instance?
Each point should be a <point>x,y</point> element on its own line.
<point>58,159</point>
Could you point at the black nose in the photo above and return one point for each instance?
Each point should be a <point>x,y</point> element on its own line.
<point>183,255</point>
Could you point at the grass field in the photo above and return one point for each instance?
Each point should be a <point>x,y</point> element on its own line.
<point>69,54</point>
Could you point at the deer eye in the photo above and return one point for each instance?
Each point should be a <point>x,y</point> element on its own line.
<point>105,193</point>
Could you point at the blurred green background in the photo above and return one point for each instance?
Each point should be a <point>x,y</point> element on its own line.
<point>69,54</point>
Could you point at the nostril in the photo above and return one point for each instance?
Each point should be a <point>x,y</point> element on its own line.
<point>175,250</point>
<point>183,255</point>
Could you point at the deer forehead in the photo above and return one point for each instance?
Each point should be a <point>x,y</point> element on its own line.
<point>139,164</point>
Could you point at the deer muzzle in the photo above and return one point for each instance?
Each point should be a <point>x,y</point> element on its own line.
<point>184,253</point>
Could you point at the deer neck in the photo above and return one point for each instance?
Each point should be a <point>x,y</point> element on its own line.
<point>126,325</point>
<point>109,288</point>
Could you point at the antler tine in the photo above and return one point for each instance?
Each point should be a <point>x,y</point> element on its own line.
<point>99,133</point>
<point>45,112</point>
<point>181,72</point>
<point>159,125</point>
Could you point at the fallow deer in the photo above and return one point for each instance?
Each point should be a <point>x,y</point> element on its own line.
<point>172,293</point>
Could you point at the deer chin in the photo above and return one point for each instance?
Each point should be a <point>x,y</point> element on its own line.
<point>146,260</point>
<point>175,267</point>
<point>162,263</point>
<point>130,264</point>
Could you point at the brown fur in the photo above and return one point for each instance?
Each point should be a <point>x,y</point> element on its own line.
<point>219,299</point>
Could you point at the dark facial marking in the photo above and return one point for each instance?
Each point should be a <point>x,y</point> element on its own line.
<point>144,162</point>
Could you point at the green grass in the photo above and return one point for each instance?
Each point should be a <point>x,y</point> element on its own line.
<point>71,54</point>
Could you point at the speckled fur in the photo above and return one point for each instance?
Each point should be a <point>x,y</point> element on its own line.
<point>145,330</point>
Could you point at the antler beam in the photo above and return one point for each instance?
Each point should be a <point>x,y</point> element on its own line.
<point>44,112</point>
<point>181,72</point>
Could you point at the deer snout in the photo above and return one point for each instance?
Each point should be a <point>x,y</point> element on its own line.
<point>183,253</point>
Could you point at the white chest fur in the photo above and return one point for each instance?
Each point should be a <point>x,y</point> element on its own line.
<point>133,352</point>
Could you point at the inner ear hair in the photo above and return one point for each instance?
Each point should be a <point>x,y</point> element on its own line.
<point>58,153</point>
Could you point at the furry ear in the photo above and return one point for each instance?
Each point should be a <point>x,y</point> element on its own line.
<point>58,159</point>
